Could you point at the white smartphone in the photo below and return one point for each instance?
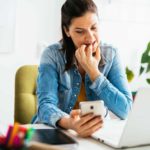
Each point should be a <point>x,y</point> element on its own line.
<point>96,107</point>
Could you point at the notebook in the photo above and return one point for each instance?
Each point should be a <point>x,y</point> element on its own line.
<point>135,131</point>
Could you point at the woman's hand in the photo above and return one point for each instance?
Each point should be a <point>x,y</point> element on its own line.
<point>89,60</point>
<point>84,126</point>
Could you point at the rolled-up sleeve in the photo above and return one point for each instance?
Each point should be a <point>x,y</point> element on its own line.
<point>47,91</point>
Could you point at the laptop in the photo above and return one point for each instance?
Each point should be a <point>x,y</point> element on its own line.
<point>133,132</point>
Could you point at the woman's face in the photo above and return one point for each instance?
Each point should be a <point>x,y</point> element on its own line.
<point>84,30</point>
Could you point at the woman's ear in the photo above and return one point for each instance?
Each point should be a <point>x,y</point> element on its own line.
<point>66,31</point>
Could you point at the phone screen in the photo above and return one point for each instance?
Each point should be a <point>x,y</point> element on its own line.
<point>52,136</point>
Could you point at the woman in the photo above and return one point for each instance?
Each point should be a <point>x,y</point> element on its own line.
<point>78,69</point>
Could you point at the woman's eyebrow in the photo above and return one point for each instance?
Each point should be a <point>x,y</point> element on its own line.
<point>79,28</point>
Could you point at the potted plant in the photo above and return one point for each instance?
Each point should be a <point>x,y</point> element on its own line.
<point>144,67</point>
<point>145,62</point>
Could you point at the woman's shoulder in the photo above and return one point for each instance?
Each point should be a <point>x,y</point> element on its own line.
<point>108,51</point>
<point>53,48</point>
<point>52,52</point>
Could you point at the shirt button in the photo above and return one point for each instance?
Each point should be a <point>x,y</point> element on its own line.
<point>75,95</point>
<point>78,83</point>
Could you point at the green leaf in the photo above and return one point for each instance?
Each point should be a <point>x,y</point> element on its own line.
<point>148,81</point>
<point>148,46</point>
<point>148,68</point>
<point>130,74</point>
<point>141,70</point>
<point>145,55</point>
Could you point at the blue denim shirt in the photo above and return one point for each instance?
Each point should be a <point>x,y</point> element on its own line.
<point>57,90</point>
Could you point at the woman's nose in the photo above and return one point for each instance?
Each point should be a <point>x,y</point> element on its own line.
<point>89,38</point>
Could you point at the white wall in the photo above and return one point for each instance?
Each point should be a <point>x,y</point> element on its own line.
<point>124,24</point>
<point>36,24</point>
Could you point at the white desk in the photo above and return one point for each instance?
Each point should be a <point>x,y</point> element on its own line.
<point>88,143</point>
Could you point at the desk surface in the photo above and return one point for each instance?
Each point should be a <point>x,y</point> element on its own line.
<point>88,143</point>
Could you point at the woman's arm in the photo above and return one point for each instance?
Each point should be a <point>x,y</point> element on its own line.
<point>47,90</point>
<point>114,89</point>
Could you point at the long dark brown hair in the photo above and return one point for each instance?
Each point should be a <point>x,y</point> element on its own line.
<point>70,10</point>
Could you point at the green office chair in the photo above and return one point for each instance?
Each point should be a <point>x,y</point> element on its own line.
<point>25,93</point>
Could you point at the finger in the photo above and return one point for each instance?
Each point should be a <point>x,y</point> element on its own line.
<point>93,129</point>
<point>80,54</point>
<point>77,51</point>
<point>90,131</point>
<point>89,51</point>
<point>94,49</point>
<point>75,112</point>
<point>98,53</point>
<point>77,54</point>
<point>82,51</point>
<point>92,122</point>
<point>89,124</point>
<point>95,46</point>
<point>85,119</point>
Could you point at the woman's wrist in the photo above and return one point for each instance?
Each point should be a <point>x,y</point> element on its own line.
<point>64,123</point>
<point>94,74</point>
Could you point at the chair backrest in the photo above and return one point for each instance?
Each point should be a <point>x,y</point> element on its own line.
<point>25,93</point>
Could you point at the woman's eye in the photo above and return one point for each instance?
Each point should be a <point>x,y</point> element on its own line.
<point>79,32</point>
